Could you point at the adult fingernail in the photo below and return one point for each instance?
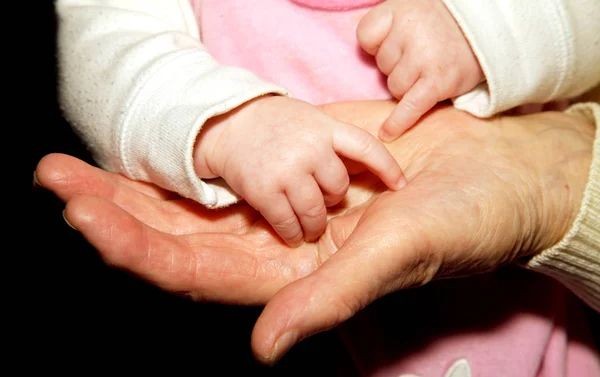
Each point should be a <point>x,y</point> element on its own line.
<point>282,345</point>
<point>67,221</point>
<point>36,183</point>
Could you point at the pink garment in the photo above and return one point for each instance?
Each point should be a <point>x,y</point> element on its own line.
<point>336,4</point>
<point>312,53</point>
<point>512,323</point>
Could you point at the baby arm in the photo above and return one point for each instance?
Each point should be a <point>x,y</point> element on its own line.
<point>137,85</point>
<point>529,53</point>
<point>283,156</point>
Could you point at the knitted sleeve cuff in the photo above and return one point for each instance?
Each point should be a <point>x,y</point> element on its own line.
<point>575,261</point>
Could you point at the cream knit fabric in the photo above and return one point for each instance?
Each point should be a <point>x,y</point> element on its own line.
<point>575,261</point>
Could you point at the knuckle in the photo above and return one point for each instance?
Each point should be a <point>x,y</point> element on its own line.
<point>447,77</point>
<point>364,30</point>
<point>431,89</point>
<point>396,85</point>
<point>411,104</point>
<point>373,27</point>
<point>283,220</point>
<point>315,211</point>
<point>388,56</point>
<point>384,62</point>
<point>295,237</point>
<point>256,191</point>
<point>341,186</point>
<point>338,231</point>
<point>332,200</point>
<point>362,33</point>
<point>365,145</point>
<point>287,226</point>
<point>419,100</point>
<point>304,155</point>
<point>347,306</point>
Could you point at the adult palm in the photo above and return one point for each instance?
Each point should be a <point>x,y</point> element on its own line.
<point>481,194</point>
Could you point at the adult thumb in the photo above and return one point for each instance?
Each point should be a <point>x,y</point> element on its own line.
<point>365,268</point>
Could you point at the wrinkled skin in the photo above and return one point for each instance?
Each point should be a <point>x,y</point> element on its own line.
<point>481,194</point>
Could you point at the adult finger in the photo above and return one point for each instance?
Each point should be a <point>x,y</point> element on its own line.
<point>371,263</point>
<point>416,102</point>
<point>332,177</point>
<point>210,266</point>
<point>359,145</point>
<point>64,175</point>
<point>68,177</point>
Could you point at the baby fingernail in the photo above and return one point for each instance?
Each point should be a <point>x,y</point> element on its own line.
<point>402,182</point>
<point>385,136</point>
<point>67,221</point>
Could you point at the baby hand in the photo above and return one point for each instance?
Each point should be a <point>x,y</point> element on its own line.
<point>283,157</point>
<point>424,53</point>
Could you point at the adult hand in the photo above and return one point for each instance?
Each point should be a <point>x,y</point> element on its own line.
<point>229,256</point>
<point>481,194</point>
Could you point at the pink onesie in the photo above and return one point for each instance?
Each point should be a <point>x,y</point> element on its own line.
<point>512,323</point>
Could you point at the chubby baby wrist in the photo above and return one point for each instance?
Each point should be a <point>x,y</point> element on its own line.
<point>205,150</point>
<point>209,148</point>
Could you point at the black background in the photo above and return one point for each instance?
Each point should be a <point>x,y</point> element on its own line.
<point>87,316</point>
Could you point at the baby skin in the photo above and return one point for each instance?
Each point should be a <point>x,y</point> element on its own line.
<point>288,160</point>
<point>423,52</point>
